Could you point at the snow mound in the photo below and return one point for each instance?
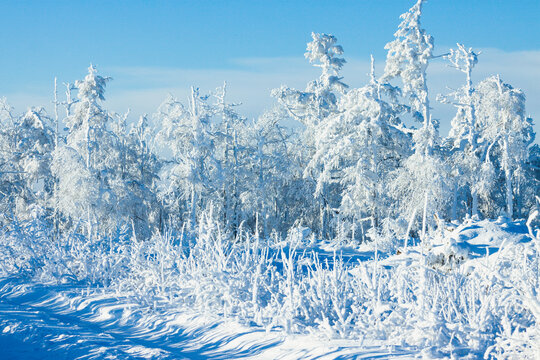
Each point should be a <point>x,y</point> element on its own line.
<point>474,239</point>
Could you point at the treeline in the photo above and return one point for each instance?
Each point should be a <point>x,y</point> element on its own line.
<point>353,168</point>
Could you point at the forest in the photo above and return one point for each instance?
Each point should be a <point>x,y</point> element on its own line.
<point>359,221</point>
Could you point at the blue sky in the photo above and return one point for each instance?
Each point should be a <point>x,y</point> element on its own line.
<point>151,48</point>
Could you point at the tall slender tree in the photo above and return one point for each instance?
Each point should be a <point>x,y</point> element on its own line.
<point>408,58</point>
<point>464,134</point>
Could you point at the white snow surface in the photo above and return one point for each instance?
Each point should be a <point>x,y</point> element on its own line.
<point>62,322</point>
<point>469,291</point>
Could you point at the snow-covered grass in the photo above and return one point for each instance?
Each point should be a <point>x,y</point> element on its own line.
<point>468,290</point>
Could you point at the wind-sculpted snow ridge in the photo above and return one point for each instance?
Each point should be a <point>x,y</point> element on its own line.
<point>467,290</point>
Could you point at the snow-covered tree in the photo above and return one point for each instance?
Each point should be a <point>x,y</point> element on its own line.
<point>35,142</point>
<point>87,123</point>
<point>135,176</point>
<point>11,173</point>
<point>464,134</point>
<point>464,126</point>
<point>189,176</point>
<point>10,181</point>
<point>359,148</point>
<point>408,58</point>
<point>83,166</point>
<point>313,106</point>
<point>422,187</point>
<point>526,201</point>
<point>422,182</point>
<point>320,98</point>
<point>231,156</point>
<point>76,187</point>
<point>25,156</point>
<point>274,190</point>
<point>506,131</point>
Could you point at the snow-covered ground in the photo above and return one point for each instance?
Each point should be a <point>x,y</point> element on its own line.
<point>471,290</point>
<point>62,322</point>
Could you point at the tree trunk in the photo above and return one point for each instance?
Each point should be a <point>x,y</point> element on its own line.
<point>424,217</point>
<point>508,175</point>
<point>454,202</point>
<point>474,195</point>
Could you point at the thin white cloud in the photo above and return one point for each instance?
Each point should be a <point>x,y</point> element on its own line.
<point>142,89</point>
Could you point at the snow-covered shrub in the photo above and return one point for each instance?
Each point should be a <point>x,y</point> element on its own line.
<point>210,272</point>
<point>328,301</point>
<point>299,235</point>
<point>23,246</point>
